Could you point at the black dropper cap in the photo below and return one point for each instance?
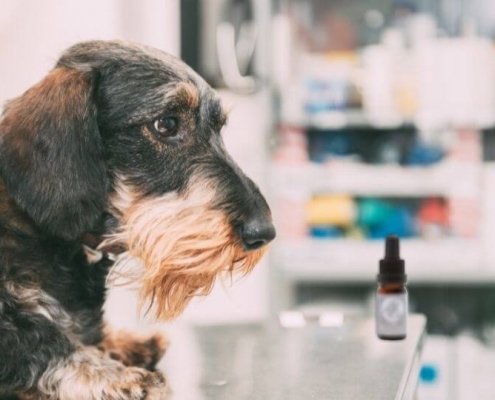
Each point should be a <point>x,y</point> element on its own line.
<point>392,268</point>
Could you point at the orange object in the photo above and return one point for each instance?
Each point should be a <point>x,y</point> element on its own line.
<point>433,211</point>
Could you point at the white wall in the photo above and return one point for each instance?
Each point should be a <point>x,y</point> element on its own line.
<point>33,33</point>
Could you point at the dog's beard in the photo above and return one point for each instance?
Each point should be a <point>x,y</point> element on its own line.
<point>184,244</point>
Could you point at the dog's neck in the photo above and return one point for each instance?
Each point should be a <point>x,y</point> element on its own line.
<point>15,222</point>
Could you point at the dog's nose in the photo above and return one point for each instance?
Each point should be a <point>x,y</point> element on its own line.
<point>257,232</point>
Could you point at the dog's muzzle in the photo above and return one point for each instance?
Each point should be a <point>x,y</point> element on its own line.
<point>184,244</point>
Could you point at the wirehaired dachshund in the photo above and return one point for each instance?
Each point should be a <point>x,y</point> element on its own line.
<point>116,155</point>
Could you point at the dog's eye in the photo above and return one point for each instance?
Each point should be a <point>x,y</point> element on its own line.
<point>166,126</point>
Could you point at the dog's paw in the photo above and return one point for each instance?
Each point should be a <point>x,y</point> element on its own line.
<point>157,389</point>
<point>90,375</point>
<point>135,349</point>
<point>147,386</point>
<point>133,383</point>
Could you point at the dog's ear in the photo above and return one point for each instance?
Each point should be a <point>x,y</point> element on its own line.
<point>51,155</point>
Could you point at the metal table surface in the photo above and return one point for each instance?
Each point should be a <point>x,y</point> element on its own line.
<point>241,362</point>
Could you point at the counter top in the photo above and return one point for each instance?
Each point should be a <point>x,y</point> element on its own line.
<point>250,362</point>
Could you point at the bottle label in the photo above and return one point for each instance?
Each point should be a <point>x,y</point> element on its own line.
<point>391,314</point>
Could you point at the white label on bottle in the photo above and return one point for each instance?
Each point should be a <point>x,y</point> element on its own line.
<point>391,314</point>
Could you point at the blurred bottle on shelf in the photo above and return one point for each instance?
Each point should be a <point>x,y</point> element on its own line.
<point>421,153</point>
<point>292,147</point>
<point>333,210</point>
<point>328,80</point>
<point>373,212</point>
<point>433,219</point>
<point>400,222</point>
<point>326,232</point>
<point>335,216</point>
<point>464,202</point>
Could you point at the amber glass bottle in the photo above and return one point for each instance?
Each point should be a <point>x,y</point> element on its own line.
<point>391,296</point>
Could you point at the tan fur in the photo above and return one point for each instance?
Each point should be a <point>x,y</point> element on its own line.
<point>185,93</point>
<point>62,92</point>
<point>92,256</point>
<point>88,374</point>
<point>184,244</point>
<point>134,349</point>
<point>122,197</point>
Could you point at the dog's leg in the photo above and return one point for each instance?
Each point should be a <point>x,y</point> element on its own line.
<point>134,349</point>
<point>89,374</point>
<point>41,362</point>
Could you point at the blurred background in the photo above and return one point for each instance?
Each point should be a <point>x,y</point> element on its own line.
<point>359,119</point>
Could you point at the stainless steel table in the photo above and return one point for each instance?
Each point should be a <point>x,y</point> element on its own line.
<point>241,362</point>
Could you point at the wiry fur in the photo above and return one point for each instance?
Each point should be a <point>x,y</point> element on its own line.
<point>83,167</point>
<point>134,349</point>
<point>184,259</point>
<point>89,374</point>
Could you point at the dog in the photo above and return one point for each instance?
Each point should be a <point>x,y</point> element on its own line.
<point>116,155</point>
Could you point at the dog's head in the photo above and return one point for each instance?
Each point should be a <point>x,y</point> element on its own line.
<point>125,133</point>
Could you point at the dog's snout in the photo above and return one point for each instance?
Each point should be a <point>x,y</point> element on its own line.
<point>257,232</point>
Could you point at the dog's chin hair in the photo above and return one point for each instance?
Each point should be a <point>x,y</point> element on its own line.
<point>184,245</point>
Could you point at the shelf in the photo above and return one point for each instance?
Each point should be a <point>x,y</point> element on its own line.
<point>453,261</point>
<point>358,119</point>
<point>376,180</point>
<point>335,120</point>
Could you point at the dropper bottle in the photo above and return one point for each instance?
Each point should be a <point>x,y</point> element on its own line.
<point>391,296</point>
